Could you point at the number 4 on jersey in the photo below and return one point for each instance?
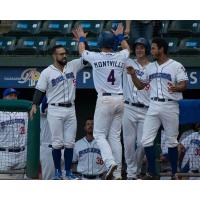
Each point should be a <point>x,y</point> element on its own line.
<point>111,77</point>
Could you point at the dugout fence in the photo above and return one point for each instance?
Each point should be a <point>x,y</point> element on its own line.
<point>9,126</point>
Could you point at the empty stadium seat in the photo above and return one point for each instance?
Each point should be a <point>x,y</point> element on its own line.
<point>189,46</point>
<point>182,28</point>
<point>24,28</point>
<point>92,43</point>
<point>31,45</point>
<point>7,44</point>
<point>172,45</point>
<point>113,24</point>
<point>93,27</point>
<point>70,44</point>
<point>56,28</point>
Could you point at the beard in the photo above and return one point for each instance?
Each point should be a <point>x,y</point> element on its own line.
<point>62,62</point>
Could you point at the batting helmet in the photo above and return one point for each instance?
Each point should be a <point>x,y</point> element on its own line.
<point>106,40</point>
<point>144,42</point>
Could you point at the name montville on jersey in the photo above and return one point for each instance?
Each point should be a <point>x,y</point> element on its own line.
<point>109,63</point>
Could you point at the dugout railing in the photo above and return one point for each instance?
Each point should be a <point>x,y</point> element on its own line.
<point>31,169</point>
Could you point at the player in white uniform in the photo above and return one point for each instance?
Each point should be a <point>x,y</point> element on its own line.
<point>167,79</point>
<point>59,82</point>
<point>190,146</point>
<point>13,139</point>
<point>136,105</point>
<point>87,155</point>
<point>107,67</point>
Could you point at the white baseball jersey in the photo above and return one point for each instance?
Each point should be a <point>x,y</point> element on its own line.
<point>60,86</point>
<point>107,69</point>
<point>192,146</point>
<point>13,129</point>
<point>158,76</point>
<point>131,93</point>
<point>89,157</point>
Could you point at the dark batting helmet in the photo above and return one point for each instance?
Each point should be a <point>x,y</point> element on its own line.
<point>144,42</point>
<point>106,40</point>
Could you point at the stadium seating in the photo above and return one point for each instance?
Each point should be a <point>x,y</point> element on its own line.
<point>7,44</point>
<point>31,46</point>
<point>70,44</point>
<point>93,27</point>
<point>24,28</point>
<point>113,24</point>
<point>56,28</point>
<point>92,43</point>
<point>189,46</point>
<point>182,28</point>
<point>172,44</point>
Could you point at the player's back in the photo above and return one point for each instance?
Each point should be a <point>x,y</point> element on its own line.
<point>107,70</point>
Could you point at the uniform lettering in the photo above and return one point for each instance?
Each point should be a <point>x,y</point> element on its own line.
<point>89,150</point>
<point>160,75</point>
<point>11,122</point>
<point>59,79</point>
<point>108,63</point>
<point>195,141</point>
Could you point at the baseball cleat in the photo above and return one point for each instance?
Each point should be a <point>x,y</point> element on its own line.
<point>151,177</point>
<point>71,176</point>
<point>58,175</point>
<point>110,171</point>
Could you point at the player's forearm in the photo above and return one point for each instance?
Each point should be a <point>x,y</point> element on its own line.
<point>81,47</point>
<point>128,24</point>
<point>37,97</point>
<point>124,45</point>
<point>181,86</point>
<point>138,84</point>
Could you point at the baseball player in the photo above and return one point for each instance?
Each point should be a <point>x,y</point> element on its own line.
<point>87,155</point>
<point>13,139</point>
<point>135,108</point>
<point>167,79</point>
<point>107,67</point>
<point>190,147</point>
<point>59,82</point>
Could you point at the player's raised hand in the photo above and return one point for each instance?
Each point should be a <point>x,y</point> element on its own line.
<point>130,70</point>
<point>119,30</point>
<point>32,111</point>
<point>78,32</point>
<point>171,88</point>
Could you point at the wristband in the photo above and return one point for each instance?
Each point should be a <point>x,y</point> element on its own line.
<point>82,39</point>
<point>120,37</point>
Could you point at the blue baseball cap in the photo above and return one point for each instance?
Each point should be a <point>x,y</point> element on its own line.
<point>9,91</point>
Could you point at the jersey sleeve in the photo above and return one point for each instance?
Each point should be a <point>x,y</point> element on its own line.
<point>88,56</point>
<point>124,53</point>
<point>42,82</point>
<point>181,74</point>
<point>78,64</point>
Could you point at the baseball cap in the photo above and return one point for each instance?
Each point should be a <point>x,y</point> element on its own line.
<point>9,91</point>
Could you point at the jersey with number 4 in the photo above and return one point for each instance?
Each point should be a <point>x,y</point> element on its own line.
<point>192,146</point>
<point>88,156</point>
<point>107,69</point>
